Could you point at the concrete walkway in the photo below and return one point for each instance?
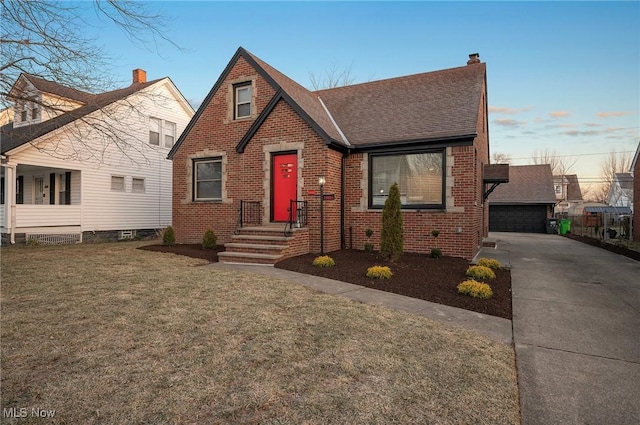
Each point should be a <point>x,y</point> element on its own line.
<point>494,327</point>
<point>576,324</point>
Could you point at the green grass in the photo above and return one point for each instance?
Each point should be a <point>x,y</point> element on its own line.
<point>107,334</point>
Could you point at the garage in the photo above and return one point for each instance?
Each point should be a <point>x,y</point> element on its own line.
<point>517,218</point>
<point>524,203</point>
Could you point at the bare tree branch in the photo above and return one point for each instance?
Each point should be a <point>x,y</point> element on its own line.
<point>333,77</point>
<point>559,165</point>
<point>615,162</point>
<point>51,40</point>
<point>500,158</point>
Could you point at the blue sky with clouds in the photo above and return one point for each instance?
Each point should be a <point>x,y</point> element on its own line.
<point>561,75</point>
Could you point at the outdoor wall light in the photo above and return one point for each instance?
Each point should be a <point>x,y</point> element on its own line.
<point>321,180</point>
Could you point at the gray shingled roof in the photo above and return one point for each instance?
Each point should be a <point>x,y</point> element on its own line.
<point>626,181</point>
<point>14,137</point>
<point>528,184</point>
<point>47,86</point>
<point>433,105</point>
<point>303,97</point>
<point>573,188</point>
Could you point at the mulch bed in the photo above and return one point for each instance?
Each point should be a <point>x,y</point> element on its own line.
<point>190,250</point>
<point>605,245</point>
<point>414,275</point>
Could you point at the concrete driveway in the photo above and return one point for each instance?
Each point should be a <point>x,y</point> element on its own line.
<point>576,329</point>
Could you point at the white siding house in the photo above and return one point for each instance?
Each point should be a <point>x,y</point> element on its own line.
<point>621,191</point>
<point>79,166</point>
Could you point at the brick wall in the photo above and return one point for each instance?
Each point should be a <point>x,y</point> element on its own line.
<point>247,175</point>
<point>462,224</point>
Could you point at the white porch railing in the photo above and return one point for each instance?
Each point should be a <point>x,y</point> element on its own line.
<point>48,215</point>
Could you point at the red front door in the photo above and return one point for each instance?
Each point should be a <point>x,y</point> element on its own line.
<point>284,188</point>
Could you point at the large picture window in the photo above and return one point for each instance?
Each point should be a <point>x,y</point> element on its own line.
<point>207,179</point>
<point>420,178</point>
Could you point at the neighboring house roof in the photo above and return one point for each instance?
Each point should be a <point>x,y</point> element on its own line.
<point>528,184</point>
<point>439,105</point>
<point>16,137</point>
<point>608,210</point>
<point>636,159</point>
<point>625,180</point>
<point>573,188</point>
<point>51,87</point>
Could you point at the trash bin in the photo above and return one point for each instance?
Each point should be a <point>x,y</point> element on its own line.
<point>565,227</point>
<point>552,226</point>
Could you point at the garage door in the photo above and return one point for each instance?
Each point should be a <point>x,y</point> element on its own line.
<point>517,218</point>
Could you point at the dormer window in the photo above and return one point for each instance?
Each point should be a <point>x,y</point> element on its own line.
<point>242,101</point>
<point>34,112</point>
<point>24,112</point>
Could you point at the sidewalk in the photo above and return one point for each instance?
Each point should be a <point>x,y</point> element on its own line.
<point>496,328</point>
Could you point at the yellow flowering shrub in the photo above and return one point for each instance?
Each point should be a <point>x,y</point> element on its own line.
<point>379,272</point>
<point>490,262</point>
<point>480,272</point>
<point>324,261</point>
<point>475,289</point>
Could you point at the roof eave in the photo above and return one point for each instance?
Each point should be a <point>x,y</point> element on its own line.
<point>448,140</point>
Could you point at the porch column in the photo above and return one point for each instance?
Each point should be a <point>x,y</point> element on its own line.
<point>10,198</point>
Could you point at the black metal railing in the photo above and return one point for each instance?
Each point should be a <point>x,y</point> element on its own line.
<point>250,213</point>
<point>297,213</point>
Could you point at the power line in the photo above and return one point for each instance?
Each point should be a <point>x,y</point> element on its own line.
<point>578,154</point>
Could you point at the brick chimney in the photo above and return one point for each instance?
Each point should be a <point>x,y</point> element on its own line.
<point>139,76</point>
<point>473,58</point>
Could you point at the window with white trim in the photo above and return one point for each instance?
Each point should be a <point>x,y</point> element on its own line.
<point>207,179</point>
<point>242,100</point>
<point>169,130</point>
<point>24,111</point>
<point>137,184</point>
<point>117,183</point>
<point>420,177</point>
<point>162,132</point>
<point>154,131</point>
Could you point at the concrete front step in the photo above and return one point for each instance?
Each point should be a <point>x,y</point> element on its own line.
<point>248,258</point>
<point>261,240</point>
<point>240,246</point>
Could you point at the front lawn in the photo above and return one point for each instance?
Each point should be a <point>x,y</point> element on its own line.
<point>107,333</point>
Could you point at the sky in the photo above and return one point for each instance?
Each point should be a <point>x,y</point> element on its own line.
<point>562,76</point>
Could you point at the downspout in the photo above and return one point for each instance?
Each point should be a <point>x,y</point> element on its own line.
<point>342,187</point>
<point>342,169</point>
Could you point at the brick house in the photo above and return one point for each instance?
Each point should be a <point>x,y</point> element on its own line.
<point>260,140</point>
